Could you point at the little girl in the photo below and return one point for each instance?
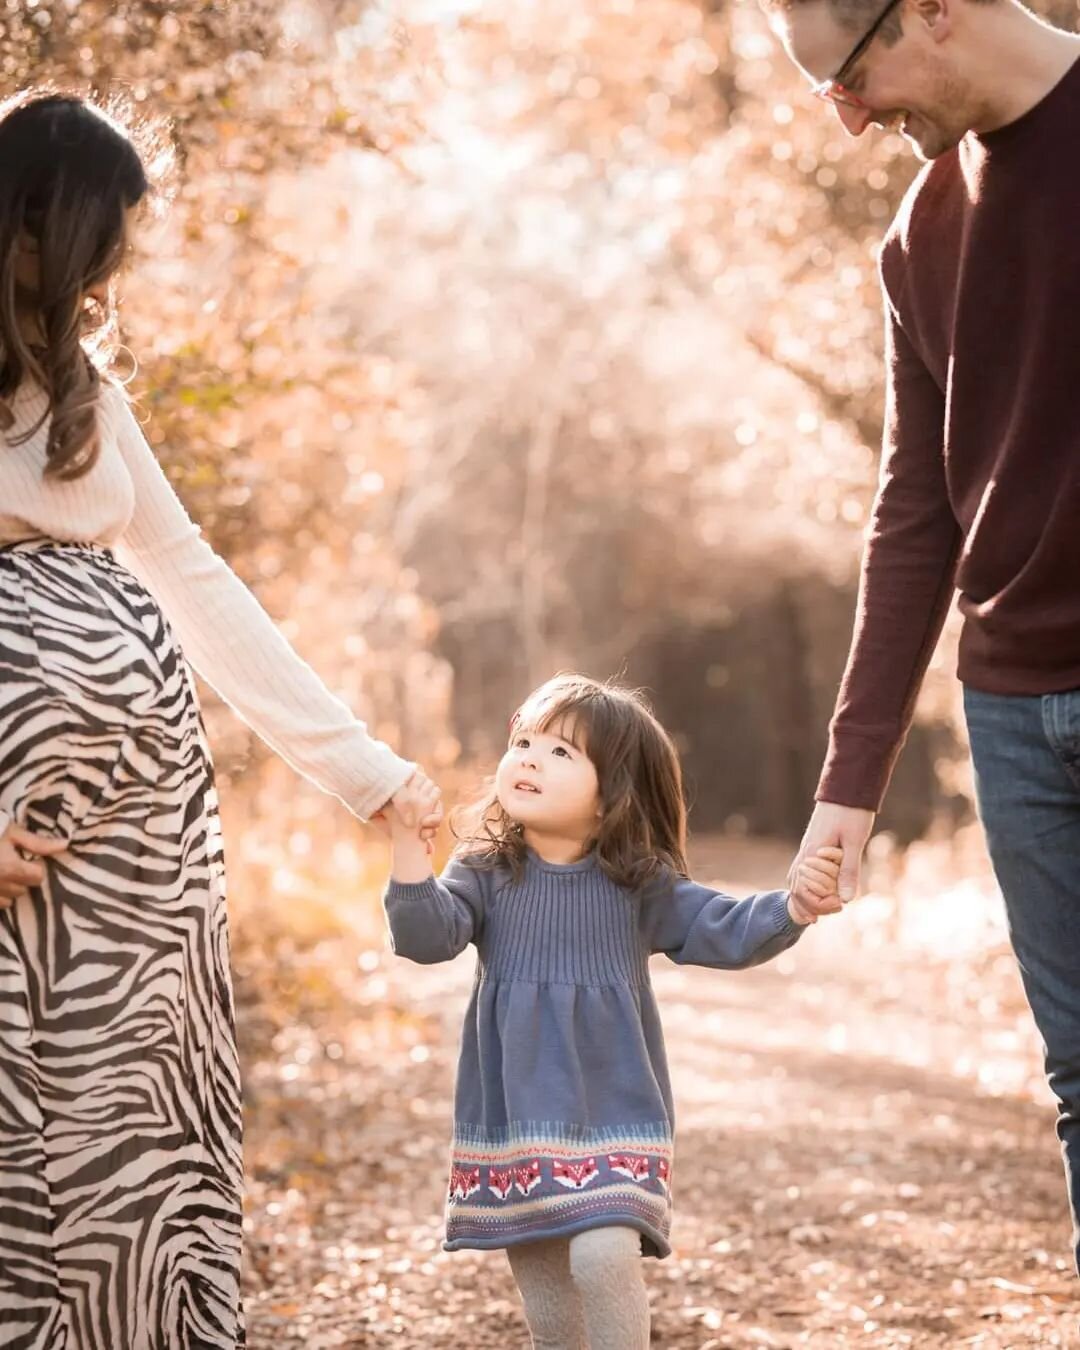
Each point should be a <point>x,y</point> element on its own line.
<point>573,873</point>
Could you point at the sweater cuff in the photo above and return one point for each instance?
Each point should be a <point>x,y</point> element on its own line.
<point>781,916</point>
<point>411,890</point>
<point>394,774</point>
<point>856,772</point>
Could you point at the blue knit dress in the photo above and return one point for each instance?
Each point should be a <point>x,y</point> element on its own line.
<point>563,1110</point>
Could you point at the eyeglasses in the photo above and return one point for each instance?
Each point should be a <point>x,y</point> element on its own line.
<point>832,90</point>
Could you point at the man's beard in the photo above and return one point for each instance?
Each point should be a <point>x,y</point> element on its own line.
<point>931,136</point>
<point>928,140</point>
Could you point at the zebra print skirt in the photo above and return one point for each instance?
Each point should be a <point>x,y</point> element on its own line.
<point>120,1166</point>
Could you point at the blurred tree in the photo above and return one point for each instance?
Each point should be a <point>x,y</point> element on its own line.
<point>276,431</point>
<point>646,304</point>
<point>518,337</point>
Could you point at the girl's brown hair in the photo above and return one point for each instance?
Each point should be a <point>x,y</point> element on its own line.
<point>68,174</point>
<point>641,834</point>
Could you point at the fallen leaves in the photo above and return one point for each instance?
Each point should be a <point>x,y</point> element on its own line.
<point>824,1198</point>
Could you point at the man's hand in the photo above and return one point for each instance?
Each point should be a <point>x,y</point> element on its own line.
<point>843,827</point>
<point>815,876</point>
<point>16,874</point>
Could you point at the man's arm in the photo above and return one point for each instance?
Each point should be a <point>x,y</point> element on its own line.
<point>905,588</point>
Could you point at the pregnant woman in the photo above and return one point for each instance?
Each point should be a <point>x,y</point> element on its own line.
<point>120,1166</point>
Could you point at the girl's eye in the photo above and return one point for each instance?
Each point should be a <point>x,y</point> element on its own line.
<point>522,743</point>
<point>561,750</point>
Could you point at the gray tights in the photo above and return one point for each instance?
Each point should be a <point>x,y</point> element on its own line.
<point>586,1292</point>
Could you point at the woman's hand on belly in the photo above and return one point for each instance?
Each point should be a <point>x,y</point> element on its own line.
<point>17,873</point>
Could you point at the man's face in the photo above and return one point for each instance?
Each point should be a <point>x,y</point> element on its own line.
<point>910,87</point>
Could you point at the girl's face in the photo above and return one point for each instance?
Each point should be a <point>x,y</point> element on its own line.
<point>547,784</point>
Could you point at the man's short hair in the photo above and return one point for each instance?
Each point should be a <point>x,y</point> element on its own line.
<point>856,15</point>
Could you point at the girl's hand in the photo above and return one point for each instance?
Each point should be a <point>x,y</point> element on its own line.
<point>799,913</point>
<point>17,875</point>
<point>410,850</point>
<point>417,804</point>
<point>420,812</point>
<point>817,877</point>
<point>846,827</point>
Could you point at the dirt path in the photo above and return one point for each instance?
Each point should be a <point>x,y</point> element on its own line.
<point>849,1170</point>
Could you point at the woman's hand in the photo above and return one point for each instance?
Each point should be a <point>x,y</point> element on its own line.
<point>417,805</point>
<point>16,874</point>
<point>410,851</point>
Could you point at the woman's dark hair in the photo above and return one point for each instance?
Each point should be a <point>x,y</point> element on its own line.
<point>68,174</point>
<point>641,834</point>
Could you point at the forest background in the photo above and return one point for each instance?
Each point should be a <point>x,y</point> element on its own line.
<point>488,340</point>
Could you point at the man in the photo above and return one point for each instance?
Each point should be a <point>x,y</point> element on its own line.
<point>980,476</point>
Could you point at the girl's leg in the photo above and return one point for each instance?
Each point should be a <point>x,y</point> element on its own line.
<point>605,1264</point>
<point>552,1302</point>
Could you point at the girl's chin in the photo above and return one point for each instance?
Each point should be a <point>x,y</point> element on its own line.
<point>520,805</point>
<point>530,819</point>
<point>522,818</point>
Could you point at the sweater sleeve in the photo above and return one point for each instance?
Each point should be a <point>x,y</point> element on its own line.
<point>236,647</point>
<point>905,586</point>
<point>695,926</point>
<point>435,920</point>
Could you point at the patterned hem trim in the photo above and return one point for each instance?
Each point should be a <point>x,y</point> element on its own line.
<point>649,1135</point>
<point>559,1216</point>
<point>508,1187</point>
<point>632,1198</point>
<point>510,1156</point>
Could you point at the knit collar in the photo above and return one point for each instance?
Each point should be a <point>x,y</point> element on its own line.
<point>585,864</point>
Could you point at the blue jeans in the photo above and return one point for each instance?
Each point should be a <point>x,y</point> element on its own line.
<point>1026,753</point>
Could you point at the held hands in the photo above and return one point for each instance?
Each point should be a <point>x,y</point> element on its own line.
<point>846,828</point>
<point>16,874</point>
<point>416,805</point>
<point>412,831</point>
<point>816,877</point>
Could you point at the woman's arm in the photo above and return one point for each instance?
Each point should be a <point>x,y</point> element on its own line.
<point>234,644</point>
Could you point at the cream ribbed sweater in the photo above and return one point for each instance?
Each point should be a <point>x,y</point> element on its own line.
<point>127,504</point>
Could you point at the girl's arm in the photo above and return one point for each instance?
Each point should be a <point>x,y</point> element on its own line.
<point>695,926</point>
<point>433,919</point>
<point>234,644</point>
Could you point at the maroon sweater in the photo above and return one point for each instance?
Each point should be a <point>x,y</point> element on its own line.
<point>980,474</point>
